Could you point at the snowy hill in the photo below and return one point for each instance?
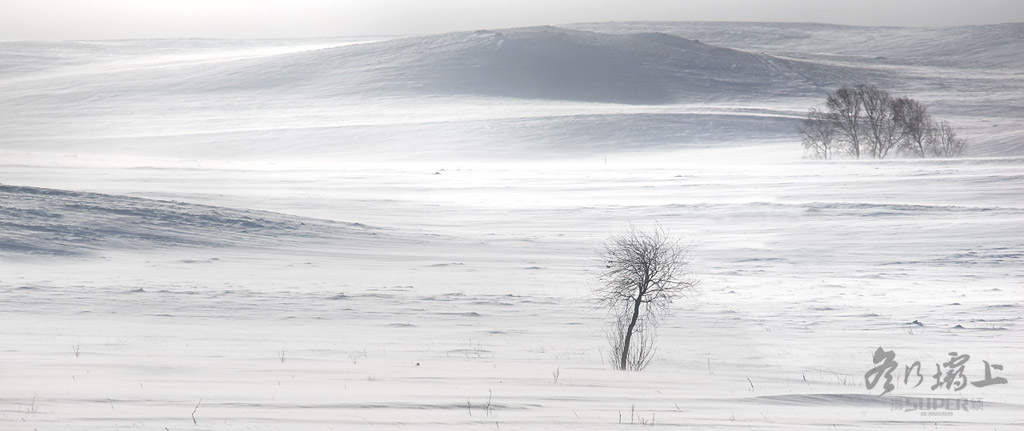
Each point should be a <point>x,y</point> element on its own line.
<point>536,63</point>
<point>59,222</point>
<point>520,93</point>
<point>986,46</point>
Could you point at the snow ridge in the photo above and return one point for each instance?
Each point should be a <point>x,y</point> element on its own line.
<point>61,222</point>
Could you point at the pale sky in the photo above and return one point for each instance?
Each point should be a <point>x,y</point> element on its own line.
<point>120,19</point>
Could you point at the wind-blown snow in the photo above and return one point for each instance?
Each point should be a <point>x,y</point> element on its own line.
<point>535,63</point>
<point>47,221</point>
<point>984,46</point>
<point>807,267</point>
<point>400,232</point>
<point>465,94</point>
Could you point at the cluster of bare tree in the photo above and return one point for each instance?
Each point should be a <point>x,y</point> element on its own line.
<point>865,121</point>
<point>645,270</point>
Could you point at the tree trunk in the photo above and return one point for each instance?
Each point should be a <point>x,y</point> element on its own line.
<point>629,334</point>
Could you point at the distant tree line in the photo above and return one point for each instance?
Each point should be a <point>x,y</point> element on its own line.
<point>867,122</point>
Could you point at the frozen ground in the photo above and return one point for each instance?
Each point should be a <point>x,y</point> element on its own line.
<point>295,252</point>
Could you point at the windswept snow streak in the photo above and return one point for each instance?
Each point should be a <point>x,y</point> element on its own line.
<point>60,222</point>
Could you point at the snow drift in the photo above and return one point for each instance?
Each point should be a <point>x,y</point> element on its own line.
<point>60,222</point>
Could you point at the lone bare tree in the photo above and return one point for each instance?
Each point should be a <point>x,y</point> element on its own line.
<point>645,270</point>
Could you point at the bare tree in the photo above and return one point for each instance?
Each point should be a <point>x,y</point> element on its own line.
<point>944,142</point>
<point>912,116</point>
<point>846,105</point>
<point>818,131</point>
<point>644,272</point>
<point>867,121</point>
<point>883,132</point>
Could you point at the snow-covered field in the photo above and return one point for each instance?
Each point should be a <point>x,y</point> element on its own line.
<point>400,233</point>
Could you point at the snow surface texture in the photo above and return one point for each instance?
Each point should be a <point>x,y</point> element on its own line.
<point>400,233</point>
<point>44,221</point>
<point>488,94</point>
